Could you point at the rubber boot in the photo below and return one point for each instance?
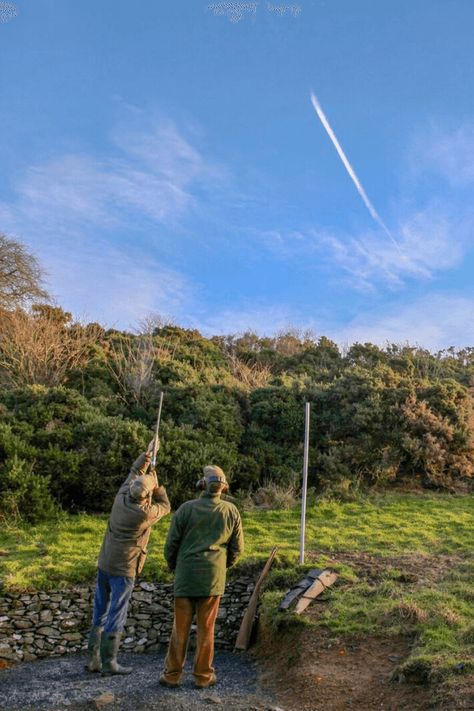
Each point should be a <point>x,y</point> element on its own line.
<point>109,646</point>
<point>94,663</point>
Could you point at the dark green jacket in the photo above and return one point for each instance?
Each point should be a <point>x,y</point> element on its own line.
<point>124,548</point>
<point>205,538</point>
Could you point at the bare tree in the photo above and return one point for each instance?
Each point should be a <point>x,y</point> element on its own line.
<point>130,360</point>
<point>42,347</point>
<point>292,340</point>
<point>151,323</point>
<point>249,375</point>
<point>20,275</point>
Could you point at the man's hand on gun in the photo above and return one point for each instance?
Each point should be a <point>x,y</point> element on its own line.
<point>151,446</point>
<point>152,472</point>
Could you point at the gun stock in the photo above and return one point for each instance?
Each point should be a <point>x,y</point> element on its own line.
<point>246,627</point>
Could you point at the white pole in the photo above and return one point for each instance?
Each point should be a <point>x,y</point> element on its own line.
<point>305,482</point>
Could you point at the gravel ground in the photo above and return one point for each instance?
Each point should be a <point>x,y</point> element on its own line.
<point>54,684</point>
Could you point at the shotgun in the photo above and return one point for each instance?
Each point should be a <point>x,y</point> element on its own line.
<point>155,442</point>
<point>246,627</point>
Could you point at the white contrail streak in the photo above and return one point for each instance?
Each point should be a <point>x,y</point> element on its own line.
<point>350,170</point>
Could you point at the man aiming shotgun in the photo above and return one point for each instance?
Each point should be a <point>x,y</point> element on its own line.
<point>139,504</point>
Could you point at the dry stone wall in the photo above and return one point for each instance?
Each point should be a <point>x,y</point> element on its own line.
<point>45,624</point>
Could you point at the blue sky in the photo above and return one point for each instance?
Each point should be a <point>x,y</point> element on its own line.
<point>166,157</point>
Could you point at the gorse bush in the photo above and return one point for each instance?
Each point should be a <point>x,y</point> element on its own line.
<point>82,454</point>
<point>379,416</point>
<point>23,494</point>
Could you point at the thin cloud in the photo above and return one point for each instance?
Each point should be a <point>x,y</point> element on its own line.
<point>157,172</point>
<point>74,211</point>
<point>114,286</point>
<point>434,322</point>
<point>430,240</point>
<point>264,320</point>
<point>158,144</point>
<point>448,156</point>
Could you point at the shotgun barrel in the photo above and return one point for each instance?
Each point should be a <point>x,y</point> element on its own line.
<point>155,444</point>
<point>157,432</point>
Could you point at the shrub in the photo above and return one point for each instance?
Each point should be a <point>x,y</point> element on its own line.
<point>23,494</point>
<point>83,454</point>
<point>184,452</point>
<point>274,496</point>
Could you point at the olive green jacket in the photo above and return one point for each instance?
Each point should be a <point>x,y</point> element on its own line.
<point>124,548</point>
<point>205,538</point>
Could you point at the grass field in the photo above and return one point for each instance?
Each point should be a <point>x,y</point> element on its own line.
<point>405,562</point>
<point>56,554</point>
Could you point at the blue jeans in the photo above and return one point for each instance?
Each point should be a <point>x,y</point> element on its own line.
<point>111,598</point>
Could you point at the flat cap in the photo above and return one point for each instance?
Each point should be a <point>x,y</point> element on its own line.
<point>214,473</point>
<point>142,486</point>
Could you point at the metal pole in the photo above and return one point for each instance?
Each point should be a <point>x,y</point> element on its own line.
<point>305,482</point>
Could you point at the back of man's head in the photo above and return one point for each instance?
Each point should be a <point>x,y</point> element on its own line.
<point>215,479</point>
<point>141,487</point>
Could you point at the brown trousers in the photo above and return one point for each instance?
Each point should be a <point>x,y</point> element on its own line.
<point>206,609</point>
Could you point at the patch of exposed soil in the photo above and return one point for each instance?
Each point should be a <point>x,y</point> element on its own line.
<point>316,674</point>
<point>458,694</point>
<point>416,568</point>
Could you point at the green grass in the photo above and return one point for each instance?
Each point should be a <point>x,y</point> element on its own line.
<point>438,612</point>
<point>385,524</point>
<point>55,554</point>
<point>434,605</point>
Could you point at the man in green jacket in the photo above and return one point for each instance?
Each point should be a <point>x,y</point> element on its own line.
<point>205,538</point>
<point>140,502</point>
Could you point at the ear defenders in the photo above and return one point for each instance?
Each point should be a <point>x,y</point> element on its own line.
<point>201,485</point>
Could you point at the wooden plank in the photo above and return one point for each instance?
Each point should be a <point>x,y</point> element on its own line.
<point>299,589</point>
<point>324,581</point>
<point>328,578</point>
<point>316,589</point>
<point>245,631</point>
<point>291,596</point>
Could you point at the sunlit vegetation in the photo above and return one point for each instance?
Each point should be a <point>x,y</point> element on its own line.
<point>69,429</point>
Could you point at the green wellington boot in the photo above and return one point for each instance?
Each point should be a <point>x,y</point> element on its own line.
<point>94,663</point>
<point>109,647</point>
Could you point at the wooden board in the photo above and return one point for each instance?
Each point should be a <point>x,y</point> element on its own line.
<point>322,582</point>
<point>245,631</point>
<point>299,589</point>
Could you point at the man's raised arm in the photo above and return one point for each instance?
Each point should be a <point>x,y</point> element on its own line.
<point>139,467</point>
